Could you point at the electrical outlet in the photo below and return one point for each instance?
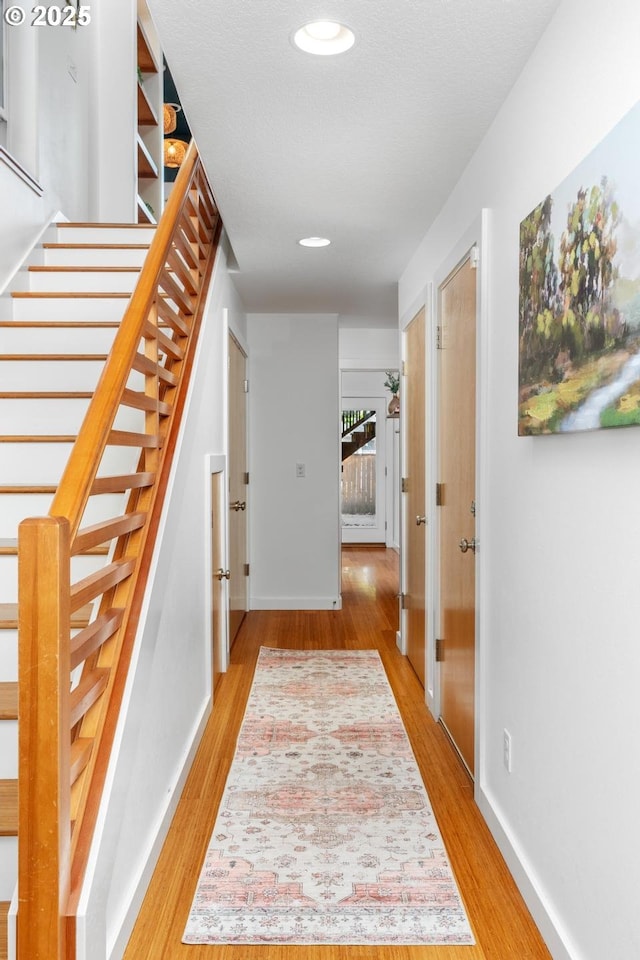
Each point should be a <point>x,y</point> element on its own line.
<point>506,750</point>
<point>300,470</point>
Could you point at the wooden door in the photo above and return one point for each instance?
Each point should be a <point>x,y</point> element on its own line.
<point>238,563</point>
<point>457,515</point>
<point>413,407</point>
<point>218,578</point>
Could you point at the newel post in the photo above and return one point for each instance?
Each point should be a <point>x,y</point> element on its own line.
<point>44,738</point>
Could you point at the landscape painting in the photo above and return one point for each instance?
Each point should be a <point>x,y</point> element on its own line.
<point>580,295</point>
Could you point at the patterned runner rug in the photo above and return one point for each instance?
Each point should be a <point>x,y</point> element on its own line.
<point>325,833</point>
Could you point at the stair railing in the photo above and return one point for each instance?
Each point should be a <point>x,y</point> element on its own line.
<point>352,419</point>
<point>72,683</point>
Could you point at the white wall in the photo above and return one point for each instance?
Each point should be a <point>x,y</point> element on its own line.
<point>369,348</point>
<point>169,690</point>
<point>293,418</point>
<point>71,118</point>
<point>560,607</point>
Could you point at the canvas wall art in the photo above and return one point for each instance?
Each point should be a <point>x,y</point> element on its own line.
<point>580,295</point>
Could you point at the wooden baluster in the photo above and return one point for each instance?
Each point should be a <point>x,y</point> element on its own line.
<point>44,742</point>
<point>152,389</point>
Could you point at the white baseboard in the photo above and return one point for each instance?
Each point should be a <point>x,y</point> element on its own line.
<point>295,603</point>
<point>547,921</point>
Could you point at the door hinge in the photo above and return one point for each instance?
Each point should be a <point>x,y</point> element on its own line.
<point>245,478</point>
<point>439,337</point>
<point>404,368</point>
<point>473,508</point>
<point>405,485</point>
<point>474,257</point>
<point>439,650</point>
<point>439,494</point>
<point>403,601</point>
<point>245,386</point>
<point>385,471</point>
<point>385,524</point>
<point>246,569</point>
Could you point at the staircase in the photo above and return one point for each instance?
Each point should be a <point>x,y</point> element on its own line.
<point>358,428</point>
<point>56,328</point>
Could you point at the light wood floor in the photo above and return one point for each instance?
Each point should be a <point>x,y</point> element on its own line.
<point>503,928</point>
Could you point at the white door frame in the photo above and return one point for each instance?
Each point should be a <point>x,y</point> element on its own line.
<point>475,236</point>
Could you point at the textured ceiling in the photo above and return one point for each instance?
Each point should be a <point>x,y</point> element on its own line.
<point>362,148</point>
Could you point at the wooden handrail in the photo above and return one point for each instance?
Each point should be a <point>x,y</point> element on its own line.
<point>59,801</point>
<point>352,419</point>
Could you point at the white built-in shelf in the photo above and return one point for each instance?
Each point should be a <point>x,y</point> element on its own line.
<point>144,214</point>
<point>147,169</point>
<point>146,113</point>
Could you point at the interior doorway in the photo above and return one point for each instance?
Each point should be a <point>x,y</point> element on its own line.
<point>363,469</point>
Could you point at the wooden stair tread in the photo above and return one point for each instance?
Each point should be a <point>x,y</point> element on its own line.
<point>83,269</point>
<point>41,438</point>
<point>8,808</point>
<point>8,700</point>
<point>14,357</point>
<point>69,324</point>
<point>46,395</point>
<point>9,616</point>
<point>27,488</point>
<point>99,226</point>
<point>96,246</point>
<point>4,946</point>
<point>48,324</point>
<point>69,295</point>
<point>9,548</point>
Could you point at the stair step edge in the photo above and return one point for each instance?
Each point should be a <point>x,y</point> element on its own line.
<point>8,700</point>
<point>8,808</point>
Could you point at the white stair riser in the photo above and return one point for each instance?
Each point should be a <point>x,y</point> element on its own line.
<point>47,416</point>
<point>57,416</point>
<point>83,309</point>
<point>48,375</point>
<point>44,463</point>
<point>8,655</point>
<point>80,567</point>
<point>8,749</point>
<point>67,281</point>
<point>16,508</point>
<point>93,257</point>
<point>8,866</point>
<point>42,339</point>
<point>121,233</point>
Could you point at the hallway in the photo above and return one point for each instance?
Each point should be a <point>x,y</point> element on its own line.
<point>502,925</point>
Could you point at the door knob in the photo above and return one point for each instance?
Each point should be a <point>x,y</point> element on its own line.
<point>420,520</point>
<point>222,574</point>
<point>238,505</point>
<point>468,545</point>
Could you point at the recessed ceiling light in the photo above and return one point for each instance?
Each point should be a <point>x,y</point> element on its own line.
<point>324,37</point>
<point>314,242</point>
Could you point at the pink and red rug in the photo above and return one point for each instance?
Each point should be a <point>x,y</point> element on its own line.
<point>325,833</point>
